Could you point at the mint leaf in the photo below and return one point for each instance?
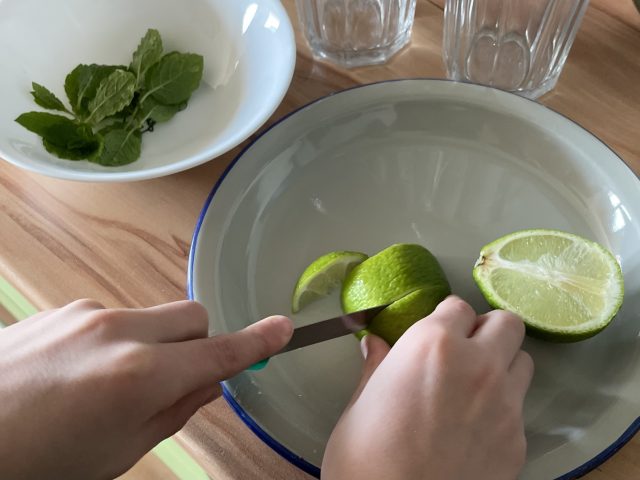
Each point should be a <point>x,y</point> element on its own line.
<point>172,80</point>
<point>129,110</point>
<point>76,83</point>
<point>120,147</point>
<point>45,98</point>
<point>76,150</point>
<point>151,109</point>
<point>42,122</point>
<point>148,52</point>
<point>82,84</point>
<point>62,136</point>
<point>114,93</point>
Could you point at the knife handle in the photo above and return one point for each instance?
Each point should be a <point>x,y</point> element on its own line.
<point>259,365</point>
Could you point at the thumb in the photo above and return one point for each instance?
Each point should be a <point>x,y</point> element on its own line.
<point>374,350</point>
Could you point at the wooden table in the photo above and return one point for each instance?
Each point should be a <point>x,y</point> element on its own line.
<point>127,244</point>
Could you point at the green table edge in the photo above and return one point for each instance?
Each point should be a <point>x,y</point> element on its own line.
<point>176,458</point>
<point>13,301</point>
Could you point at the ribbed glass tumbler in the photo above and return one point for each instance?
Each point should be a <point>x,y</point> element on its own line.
<point>515,45</point>
<point>354,33</point>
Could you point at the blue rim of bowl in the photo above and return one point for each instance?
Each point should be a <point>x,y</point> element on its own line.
<point>283,451</point>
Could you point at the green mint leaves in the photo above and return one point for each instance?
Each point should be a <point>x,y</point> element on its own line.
<point>43,97</point>
<point>62,136</point>
<point>120,146</point>
<point>147,54</point>
<point>114,93</point>
<point>172,80</point>
<point>82,84</point>
<point>113,105</point>
<point>152,110</point>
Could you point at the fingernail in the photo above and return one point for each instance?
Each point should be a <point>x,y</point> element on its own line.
<point>284,325</point>
<point>364,346</point>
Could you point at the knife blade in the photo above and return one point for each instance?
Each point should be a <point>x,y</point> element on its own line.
<point>326,330</point>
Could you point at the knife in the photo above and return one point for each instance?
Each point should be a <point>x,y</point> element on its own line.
<point>326,330</point>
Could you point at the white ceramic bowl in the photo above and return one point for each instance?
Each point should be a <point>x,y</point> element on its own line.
<point>447,165</point>
<point>249,55</point>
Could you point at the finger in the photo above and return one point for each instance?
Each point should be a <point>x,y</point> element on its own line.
<point>210,360</point>
<point>25,334</point>
<point>167,422</point>
<point>65,313</point>
<point>374,349</point>
<point>171,322</point>
<point>501,332</point>
<point>84,304</point>
<point>455,315</point>
<point>521,373</point>
<point>40,315</point>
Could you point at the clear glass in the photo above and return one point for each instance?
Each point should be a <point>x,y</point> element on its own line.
<point>515,45</point>
<point>354,33</point>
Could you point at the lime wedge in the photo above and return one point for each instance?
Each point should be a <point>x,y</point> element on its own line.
<point>564,287</point>
<point>407,276</point>
<point>322,276</point>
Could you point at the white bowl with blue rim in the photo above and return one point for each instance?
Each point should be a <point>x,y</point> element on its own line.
<point>249,56</point>
<point>447,165</point>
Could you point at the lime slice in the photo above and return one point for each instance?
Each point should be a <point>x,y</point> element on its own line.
<point>406,275</point>
<point>564,287</point>
<point>322,276</point>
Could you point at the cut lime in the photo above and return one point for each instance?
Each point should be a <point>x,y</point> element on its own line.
<point>564,287</point>
<point>406,275</point>
<point>322,276</point>
<point>394,320</point>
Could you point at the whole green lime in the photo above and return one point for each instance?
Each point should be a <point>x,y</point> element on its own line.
<point>407,276</point>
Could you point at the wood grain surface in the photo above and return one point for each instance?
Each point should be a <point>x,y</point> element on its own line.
<point>127,244</point>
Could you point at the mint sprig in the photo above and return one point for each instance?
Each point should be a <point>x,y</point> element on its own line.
<point>114,93</point>
<point>111,106</point>
<point>43,97</point>
<point>120,145</point>
<point>82,84</point>
<point>146,55</point>
<point>62,136</point>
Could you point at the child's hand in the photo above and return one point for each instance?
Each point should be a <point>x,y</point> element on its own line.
<point>444,403</point>
<point>85,391</point>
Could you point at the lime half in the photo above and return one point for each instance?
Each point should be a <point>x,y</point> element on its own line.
<point>564,287</point>
<point>322,276</point>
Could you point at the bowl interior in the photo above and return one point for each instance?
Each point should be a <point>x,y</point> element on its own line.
<point>445,165</point>
<point>248,50</point>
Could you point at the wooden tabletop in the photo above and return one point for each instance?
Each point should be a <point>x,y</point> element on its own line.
<point>127,244</point>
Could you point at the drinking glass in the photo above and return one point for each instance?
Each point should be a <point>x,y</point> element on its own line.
<point>515,45</point>
<point>354,33</point>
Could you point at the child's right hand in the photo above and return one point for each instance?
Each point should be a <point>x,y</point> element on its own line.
<point>444,403</point>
